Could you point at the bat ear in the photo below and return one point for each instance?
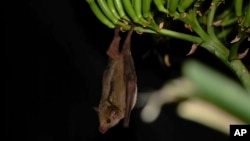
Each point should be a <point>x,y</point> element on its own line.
<point>113,113</point>
<point>96,109</point>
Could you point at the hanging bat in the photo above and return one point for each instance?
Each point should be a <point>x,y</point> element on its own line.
<point>119,90</point>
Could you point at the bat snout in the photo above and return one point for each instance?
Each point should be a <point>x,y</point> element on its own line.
<point>103,129</point>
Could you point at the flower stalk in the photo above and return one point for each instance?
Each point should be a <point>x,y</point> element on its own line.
<point>210,25</point>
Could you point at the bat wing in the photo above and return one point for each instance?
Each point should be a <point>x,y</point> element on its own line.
<point>113,53</point>
<point>129,78</point>
<point>131,88</point>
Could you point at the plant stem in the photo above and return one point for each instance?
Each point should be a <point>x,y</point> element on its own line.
<point>183,36</point>
<point>241,71</point>
<point>170,33</point>
<point>221,91</point>
<point>217,49</point>
<point>221,52</point>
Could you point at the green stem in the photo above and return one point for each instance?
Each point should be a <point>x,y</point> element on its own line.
<point>173,4</point>
<point>144,30</point>
<point>130,11</point>
<point>120,10</point>
<point>132,14</point>
<point>238,7</point>
<point>220,90</point>
<point>247,16</point>
<point>106,10</point>
<point>210,27</point>
<point>224,33</point>
<point>212,45</point>
<point>191,19</point>
<point>98,13</point>
<point>235,46</point>
<point>220,51</point>
<point>146,5</point>
<point>184,4</point>
<point>224,14</point>
<point>112,8</point>
<point>138,6</point>
<point>182,36</point>
<point>219,48</point>
<point>211,13</point>
<point>241,71</point>
<point>160,5</point>
<point>229,21</point>
<point>170,33</point>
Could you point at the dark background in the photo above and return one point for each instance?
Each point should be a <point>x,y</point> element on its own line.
<point>55,52</point>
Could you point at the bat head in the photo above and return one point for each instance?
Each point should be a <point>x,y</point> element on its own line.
<point>108,117</point>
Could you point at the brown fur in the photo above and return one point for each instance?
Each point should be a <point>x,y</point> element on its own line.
<point>119,85</point>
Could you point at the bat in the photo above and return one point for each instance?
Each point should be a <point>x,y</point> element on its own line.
<point>119,90</point>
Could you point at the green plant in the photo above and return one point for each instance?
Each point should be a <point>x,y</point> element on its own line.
<point>210,24</point>
<point>221,99</point>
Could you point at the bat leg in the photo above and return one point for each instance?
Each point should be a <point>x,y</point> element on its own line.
<point>127,43</point>
<point>113,50</point>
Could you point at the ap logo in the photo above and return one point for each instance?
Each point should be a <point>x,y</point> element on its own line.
<point>239,132</point>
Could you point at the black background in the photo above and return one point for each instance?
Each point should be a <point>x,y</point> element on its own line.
<point>55,51</point>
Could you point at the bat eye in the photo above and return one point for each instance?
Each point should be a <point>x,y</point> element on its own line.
<point>108,120</point>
